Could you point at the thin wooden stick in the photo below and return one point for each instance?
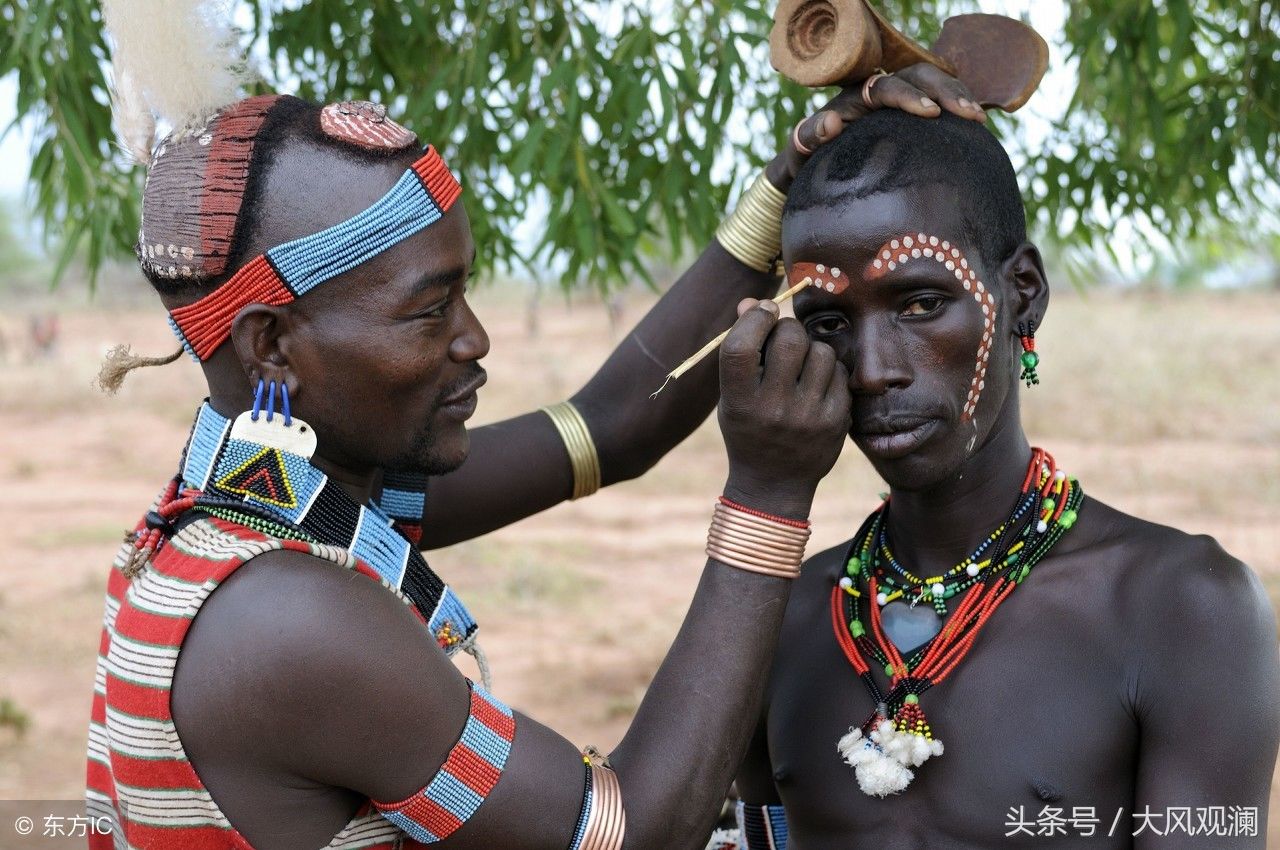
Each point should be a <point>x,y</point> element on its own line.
<point>715,343</point>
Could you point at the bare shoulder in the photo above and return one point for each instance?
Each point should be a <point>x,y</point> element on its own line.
<point>1174,582</point>
<point>294,655</point>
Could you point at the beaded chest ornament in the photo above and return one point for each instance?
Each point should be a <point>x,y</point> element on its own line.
<point>897,736</point>
<point>257,471</point>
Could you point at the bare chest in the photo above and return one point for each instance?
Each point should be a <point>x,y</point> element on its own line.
<point>1038,739</point>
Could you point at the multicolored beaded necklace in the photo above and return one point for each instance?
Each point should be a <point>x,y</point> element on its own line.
<point>897,736</point>
<point>258,473</point>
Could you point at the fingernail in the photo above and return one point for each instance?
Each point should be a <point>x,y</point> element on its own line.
<point>965,103</point>
<point>927,103</point>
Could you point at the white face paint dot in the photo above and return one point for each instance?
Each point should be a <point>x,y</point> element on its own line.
<point>964,263</point>
<point>892,265</point>
<point>894,244</point>
<point>902,258</point>
<point>946,245</point>
<point>959,275</point>
<point>928,252</point>
<point>915,252</point>
<point>835,272</point>
<point>907,241</point>
<point>877,264</point>
<point>933,240</point>
<point>886,255</point>
<point>922,238</point>
<point>955,252</point>
<point>951,266</point>
<point>831,287</point>
<point>982,385</point>
<point>821,268</point>
<point>966,286</point>
<point>985,309</point>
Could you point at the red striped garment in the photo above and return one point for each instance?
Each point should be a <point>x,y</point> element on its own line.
<point>139,777</point>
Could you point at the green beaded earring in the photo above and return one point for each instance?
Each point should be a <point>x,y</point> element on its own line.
<point>1030,359</point>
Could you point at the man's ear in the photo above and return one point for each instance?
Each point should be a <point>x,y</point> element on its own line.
<point>260,335</point>
<point>1024,272</point>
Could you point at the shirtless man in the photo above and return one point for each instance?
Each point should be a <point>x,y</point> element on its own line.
<point>1129,685</point>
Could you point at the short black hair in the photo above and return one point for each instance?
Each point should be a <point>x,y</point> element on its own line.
<point>890,150</point>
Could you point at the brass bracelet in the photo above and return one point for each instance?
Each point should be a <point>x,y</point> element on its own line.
<point>581,448</point>
<point>755,544</point>
<point>607,821</point>
<point>752,233</point>
<point>752,541</point>
<point>751,522</point>
<point>724,549</point>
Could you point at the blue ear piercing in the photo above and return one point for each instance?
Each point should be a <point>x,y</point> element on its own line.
<point>269,393</point>
<point>257,399</point>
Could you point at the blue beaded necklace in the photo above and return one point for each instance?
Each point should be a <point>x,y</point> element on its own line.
<point>262,472</point>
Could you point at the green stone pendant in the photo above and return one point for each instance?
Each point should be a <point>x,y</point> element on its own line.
<point>1030,360</point>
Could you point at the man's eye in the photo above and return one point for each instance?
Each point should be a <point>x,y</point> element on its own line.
<point>439,311</point>
<point>923,306</point>
<point>824,326</point>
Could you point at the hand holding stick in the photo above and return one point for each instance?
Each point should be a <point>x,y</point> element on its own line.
<point>715,343</point>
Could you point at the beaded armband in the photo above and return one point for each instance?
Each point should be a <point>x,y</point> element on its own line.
<point>419,198</point>
<point>468,774</point>
<point>762,827</point>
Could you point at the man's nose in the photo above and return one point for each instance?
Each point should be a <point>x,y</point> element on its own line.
<point>472,343</point>
<point>879,361</point>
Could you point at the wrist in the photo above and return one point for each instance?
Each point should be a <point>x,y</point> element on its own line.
<point>778,173</point>
<point>789,500</point>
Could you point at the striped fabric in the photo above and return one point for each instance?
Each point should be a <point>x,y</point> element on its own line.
<point>471,770</point>
<point>762,827</point>
<point>138,776</point>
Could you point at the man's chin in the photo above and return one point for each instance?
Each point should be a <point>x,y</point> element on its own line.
<point>439,456</point>
<point>903,468</point>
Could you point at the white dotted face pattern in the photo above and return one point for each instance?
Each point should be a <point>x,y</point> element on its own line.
<point>924,247</point>
<point>824,277</point>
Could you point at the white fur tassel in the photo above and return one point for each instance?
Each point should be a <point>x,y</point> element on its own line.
<point>182,55</point>
<point>135,122</point>
<point>882,760</point>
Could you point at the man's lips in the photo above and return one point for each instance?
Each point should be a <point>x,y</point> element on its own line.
<point>468,391</point>
<point>894,437</point>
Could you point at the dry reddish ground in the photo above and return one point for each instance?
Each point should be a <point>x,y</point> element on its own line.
<point>1156,402</point>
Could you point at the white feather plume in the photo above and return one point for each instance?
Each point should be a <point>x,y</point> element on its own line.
<point>182,56</point>
<point>135,122</point>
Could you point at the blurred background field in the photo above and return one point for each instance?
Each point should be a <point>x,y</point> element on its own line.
<point>1163,403</point>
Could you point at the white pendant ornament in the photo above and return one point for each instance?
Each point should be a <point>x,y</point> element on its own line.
<point>297,437</point>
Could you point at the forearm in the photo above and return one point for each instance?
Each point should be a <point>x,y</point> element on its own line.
<point>632,431</point>
<point>680,754</point>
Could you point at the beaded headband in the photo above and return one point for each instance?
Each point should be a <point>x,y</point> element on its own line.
<point>419,199</point>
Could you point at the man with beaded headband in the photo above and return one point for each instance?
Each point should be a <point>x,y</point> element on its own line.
<point>1096,677</point>
<point>313,259</point>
